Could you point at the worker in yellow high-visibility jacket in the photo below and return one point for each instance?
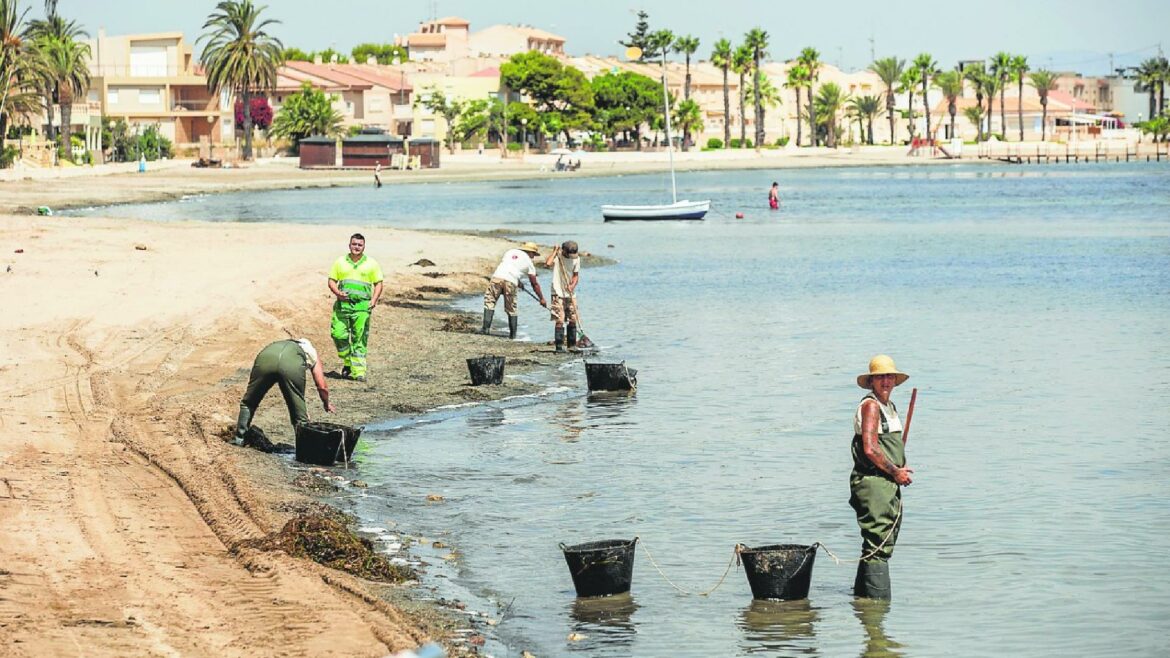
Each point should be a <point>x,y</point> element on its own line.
<point>356,281</point>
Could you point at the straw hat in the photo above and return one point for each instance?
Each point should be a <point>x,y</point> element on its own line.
<point>882,365</point>
<point>531,248</point>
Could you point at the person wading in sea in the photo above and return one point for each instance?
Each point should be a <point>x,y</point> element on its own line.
<point>283,363</point>
<point>515,264</point>
<point>356,281</point>
<point>879,472</point>
<point>566,269</point>
<point>774,196</point>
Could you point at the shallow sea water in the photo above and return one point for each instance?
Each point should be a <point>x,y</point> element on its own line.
<point>1029,304</point>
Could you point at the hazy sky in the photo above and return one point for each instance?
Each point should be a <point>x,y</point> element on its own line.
<point>1057,34</point>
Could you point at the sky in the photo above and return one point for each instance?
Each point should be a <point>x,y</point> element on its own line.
<point>1062,35</point>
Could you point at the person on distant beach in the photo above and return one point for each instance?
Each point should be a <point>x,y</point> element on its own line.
<point>377,174</point>
<point>283,363</point>
<point>566,269</point>
<point>774,196</point>
<point>879,472</point>
<point>356,281</point>
<point>514,264</point>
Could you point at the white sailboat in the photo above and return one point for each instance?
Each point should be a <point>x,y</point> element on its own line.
<point>675,209</point>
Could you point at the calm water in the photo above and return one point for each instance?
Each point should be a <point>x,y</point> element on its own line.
<point>1030,306</point>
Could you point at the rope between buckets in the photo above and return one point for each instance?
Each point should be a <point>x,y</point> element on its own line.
<point>733,561</point>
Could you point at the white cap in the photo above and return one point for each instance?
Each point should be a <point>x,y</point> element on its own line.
<point>310,352</point>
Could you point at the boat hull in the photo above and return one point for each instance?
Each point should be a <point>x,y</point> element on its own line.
<point>669,211</point>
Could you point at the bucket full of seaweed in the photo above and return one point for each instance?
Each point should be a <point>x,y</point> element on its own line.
<point>486,370</point>
<point>778,572</point>
<point>610,377</point>
<point>324,444</point>
<point>601,568</point>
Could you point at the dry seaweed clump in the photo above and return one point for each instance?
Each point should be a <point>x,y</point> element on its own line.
<point>328,542</point>
<point>462,324</point>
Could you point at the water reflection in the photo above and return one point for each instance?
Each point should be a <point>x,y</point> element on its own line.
<point>872,614</point>
<point>487,419</point>
<point>605,622</point>
<point>788,626</point>
<point>570,422</point>
<point>602,409</point>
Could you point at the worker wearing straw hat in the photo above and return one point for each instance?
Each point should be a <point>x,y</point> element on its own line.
<point>879,472</point>
<point>515,264</point>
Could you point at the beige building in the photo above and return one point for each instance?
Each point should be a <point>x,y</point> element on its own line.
<point>507,40</point>
<point>450,39</point>
<point>441,39</point>
<point>150,79</point>
<point>366,95</point>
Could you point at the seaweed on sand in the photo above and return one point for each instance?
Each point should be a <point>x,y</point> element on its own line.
<point>329,542</point>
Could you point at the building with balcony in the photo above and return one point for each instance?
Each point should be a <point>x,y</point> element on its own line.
<point>507,40</point>
<point>366,95</point>
<point>154,79</point>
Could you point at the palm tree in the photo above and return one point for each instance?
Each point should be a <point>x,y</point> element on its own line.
<point>721,56</point>
<point>64,69</point>
<point>1152,74</point>
<point>866,108</point>
<point>1001,68</point>
<point>974,114</point>
<point>55,28</point>
<point>240,55</point>
<point>687,45</point>
<point>889,69</point>
<point>976,74</point>
<point>951,85</point>
<point>991,87</point>
<point>757,41</point>
<point>1043,82</point>
<point>17,66</point>
<point>769,95</point>
<point>828,101</point>
<point>910,82</point>
<point>927,68</point>
<point>1019,68</point>
<point>741,63</point>
<point>810,59</point>
<point>688,115</point>
<point>797,80</point>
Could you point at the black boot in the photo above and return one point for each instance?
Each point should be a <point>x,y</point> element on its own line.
<point>559,338</point>
<point>571,335</point>
<point>513,325</point>
<point>487,321</point>
<point>873,580</point>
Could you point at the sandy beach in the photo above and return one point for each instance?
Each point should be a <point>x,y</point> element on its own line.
<point>127,345</point>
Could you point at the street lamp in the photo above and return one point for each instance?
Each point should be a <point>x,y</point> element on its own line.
<point>524,128</point>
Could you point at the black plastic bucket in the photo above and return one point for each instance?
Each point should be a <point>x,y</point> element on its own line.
<point>486,370</point>
<point>610,377</point>
<point>321,443</point>
<point>601,568</point>
<point>779,572</point>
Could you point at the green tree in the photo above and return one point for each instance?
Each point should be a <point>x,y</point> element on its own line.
<point>295,55</point>
<point>331,56</point>
<point>625,101</point>
<point>866,108</point>
<point>660,44</point>
<point>384,53</point>
<point>889,70</point>
<point>306,113</point>
<point>1001,68</point>
<point>640,37</point>
<point>1043,82</point>
<point>828,102</point>
<point>689,117</point>
<point>19,68</point>
<point>909,81</point>
<point>991,87</point>
<point>757,41</point>
<point>927,68</point>
<point>435,101</point>
<point>240,55</point>
<point>722,57</point>
<point>66,72</point>
<point>769,95</point>
<point>974,114</point>
<point>473,122</point>
<point>976,74</point>
<point>553,87</point>
<point>811,60</point>
<point>56,33</point>
<point>687,45</point>
<point>797,79</point>
<point>741,63</point>
<point>951,85</point>
<point>1152,74</point>
<point>1019,68</point>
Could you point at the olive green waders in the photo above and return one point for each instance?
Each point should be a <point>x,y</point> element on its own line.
<point>877,500</point>
<point>350,325</point>
<point>282,363</point>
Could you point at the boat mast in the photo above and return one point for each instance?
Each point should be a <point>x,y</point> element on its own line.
<point>669,142</point>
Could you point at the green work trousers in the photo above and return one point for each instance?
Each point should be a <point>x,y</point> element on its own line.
<point>350,329</point>
<point>877,500</point>
<point>282,363</point>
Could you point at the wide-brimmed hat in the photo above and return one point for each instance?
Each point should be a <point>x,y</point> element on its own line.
<point>531,248</point>
<point>882,365</point>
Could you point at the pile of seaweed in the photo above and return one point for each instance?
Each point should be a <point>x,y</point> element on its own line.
<point>329,542</point>
<point>463,324</point>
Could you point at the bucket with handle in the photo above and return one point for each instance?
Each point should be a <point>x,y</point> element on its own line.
<point>486,370</point>
<point>778,572</point>
<point>601,568</point>
<point>610,377</point>
<point>322,444</point>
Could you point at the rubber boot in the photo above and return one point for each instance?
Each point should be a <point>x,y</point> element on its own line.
<point>873,580</point>
<point>559,338</point>
<point>487,321</point>
<point>513,326</point>
<point>571,335</point>
<point>242,424</point>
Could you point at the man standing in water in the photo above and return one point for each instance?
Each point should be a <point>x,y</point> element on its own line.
<point>356,281</point>
<point>566,268</point>
<point>515,264</point>
<point>879,472</point>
